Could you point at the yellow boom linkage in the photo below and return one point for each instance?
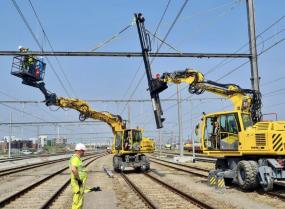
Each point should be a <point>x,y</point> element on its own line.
<point>128,145</point>
<point>250,152</point>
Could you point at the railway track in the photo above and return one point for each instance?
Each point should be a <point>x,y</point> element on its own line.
<point>201,172</point>
<point>43,192</point>
<point>17,158</point>
<point>198,157</point>
<point>278,193</point>
<point>8,171</point>
<point>161,194</point>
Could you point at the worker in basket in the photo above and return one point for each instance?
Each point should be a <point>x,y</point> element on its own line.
<point>31,65</point>
<point>28,64</point>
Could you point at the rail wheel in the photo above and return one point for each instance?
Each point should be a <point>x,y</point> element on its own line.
<point>145,163</point>
<point>269,183</point>
<point>222,164</point>
<point>117,162</point>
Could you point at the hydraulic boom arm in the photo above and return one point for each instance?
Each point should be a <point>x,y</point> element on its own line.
<point>246,100</point>
<point>114,121</point>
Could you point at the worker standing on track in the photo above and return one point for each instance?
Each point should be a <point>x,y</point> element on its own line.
<point>78,176</point>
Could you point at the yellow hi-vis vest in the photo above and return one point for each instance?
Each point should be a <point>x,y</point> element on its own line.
<point>77,162</point>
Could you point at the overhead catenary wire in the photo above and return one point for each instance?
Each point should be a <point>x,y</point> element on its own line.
<point>111,100</point>
<point>223,62</point>
<point>244,63</point>
<point>263,51</point>
<point>273,81</point>
<point>51,46</point>
<point>163,40</point>
<point>38,43</point>
<point>22,111</point>
<point>16,101</point>
<point>113,37</point>
<point>137,71</point>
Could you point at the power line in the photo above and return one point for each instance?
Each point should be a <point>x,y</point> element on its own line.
<point>113,37</point>
<point>267,49</point>
<point>53,123</point>
<point>223,62</point>
<point>269,27</point>
<point>21,102</point>
<point>22,111</point>
<point>109,100</point>
<point>132,81</point>
<point>156,30</point>
<point>123,54</point>
<point>37,41</point>
<point>274,91</point>
<point>165,37</point>
<point>49,42</point>
<point>273,81</point>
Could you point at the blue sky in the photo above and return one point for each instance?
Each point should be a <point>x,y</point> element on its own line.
<point>204,26</point>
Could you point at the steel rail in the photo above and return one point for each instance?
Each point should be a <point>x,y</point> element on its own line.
<point>123,54</point>
<point>9,171</point>
<point>12,170</point>
<point>184,195</point>
<point>149,203</point>
<point>179,164</point>
<point>59,190</point>
<point>24,157</point>
<point>273,194</point>
<point>17,194</point>
<point>183,170</point>
<point>199,157</point>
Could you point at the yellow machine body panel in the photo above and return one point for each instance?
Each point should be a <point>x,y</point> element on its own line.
<point>131,141</point>
<point>237,136</point>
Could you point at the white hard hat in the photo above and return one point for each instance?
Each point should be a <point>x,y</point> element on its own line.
<point>20,47</point>
<point>80,146</point>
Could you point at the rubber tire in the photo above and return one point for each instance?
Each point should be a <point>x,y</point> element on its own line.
<point>248,181</point>
<point>254,167</point>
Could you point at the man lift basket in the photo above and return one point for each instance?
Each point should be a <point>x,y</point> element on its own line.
<point>28,67</point>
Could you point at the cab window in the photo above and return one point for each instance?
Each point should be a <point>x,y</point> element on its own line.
<point>232,124</point>
<point>246,119</point>
<point>208,131</point>
<point>137,136</point>
<point>118,142</point>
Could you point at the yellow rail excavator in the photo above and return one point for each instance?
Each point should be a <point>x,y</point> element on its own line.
<point>249,151</point>
<point>129,146</point>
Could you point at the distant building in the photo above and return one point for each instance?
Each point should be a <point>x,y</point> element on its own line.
<point>61,141</point>
<point>16,143</point>
<point>43,140</point>
<point>3,145</point>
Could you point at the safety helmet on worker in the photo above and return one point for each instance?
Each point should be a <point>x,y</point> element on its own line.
<point>80,146</point>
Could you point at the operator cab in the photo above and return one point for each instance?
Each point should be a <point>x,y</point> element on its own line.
<point>29,68</point>
<point>128,140</point>
<point>221,130</point>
